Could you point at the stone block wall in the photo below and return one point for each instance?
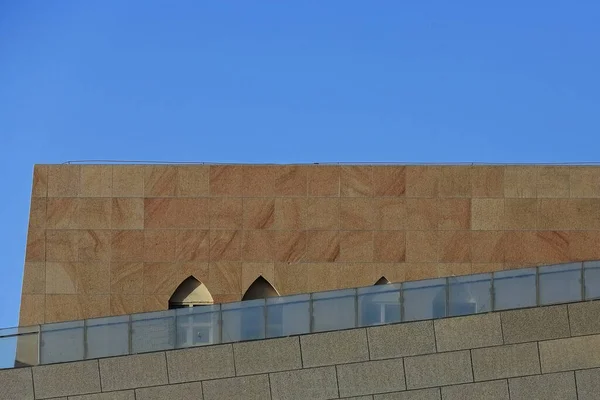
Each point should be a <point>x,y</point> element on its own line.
<point>549,353</point>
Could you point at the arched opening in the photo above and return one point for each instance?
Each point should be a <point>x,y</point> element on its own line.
<point>191,292</point>
<point>260,289</point>
<point>382,281</point>
<point>258,320</point>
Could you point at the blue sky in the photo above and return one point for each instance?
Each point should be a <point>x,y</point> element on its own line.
<point>293,81</point>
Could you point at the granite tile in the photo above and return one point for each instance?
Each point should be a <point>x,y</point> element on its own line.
<point>37,213</point>
<point>127,245</point>
<point>468,332</point>
<point>291,180</point>
<point>492,390</point>
<point>541,323</point>
<point>94,213</point>
<point>390,213</point>
<point>259,213</point>
<point>17,384</point>
<point>291,278</point>
<point>62,213</point>
<point>454,246</point>
<point>94,305</point>
<point>323,276</point>
<point>192,181</point>
<point>258,245</point>
<point>356,246</point>
<point>487,246</point>
<point>121,304</point>
<point>322,213</point>
<point>290,213</point>
<point>454,214</point>
<point>357,214</point>
<point>63,180</point>
<point>34,278</point>
<point>161,278</point>
<point>225,245</point>
<point>423,394</point>
<point>61,277</point>
<point>487,214</point>
<point>217,362</point>
<point>323,180</point>
<point>62,245</point>
<point>421,246</point>
<point>583,317</point>
<point>356,181</point>
<point>133,371</point>
<point>520,181</point>
<point>226,180</point>
<point>559,386</point>
<point>520,214</point>
<point>192,245</point>
<point>95,181</point>
<point>258,180</point>
<point>389,180</point>
<point>36,245</point>
<point>126,277</point>
<point>323,246</point>
<point>570,353</point>
<point>553,181</point>
<point>422,181</point>
<point>416,271</point>
<point>262,356</point>
<point>32,309</point>
<point>62,307</point>
<point>159,245</point>
<point>448,269</point>
<point>160,180</point>
<point>401,340</point>
<point>455,181</point>
<point>127,213</point>
<point>438,369</point>
<point>584,182</point>
<point>93,245</point>
<point>226,213</point>
<point>254,387</point>
<point>128,180</point>
<point>588,384</point>
<point>66,379</point>
<point>371,377</point>
<point>584,245</point>
<point>487,181</point>
<point>93,277</point>
<point>182,391</point>
<point>290,246</point>
<point>389,246</point>
<point>40,181</point>
<point>312,383</point>
<point>225,278</point>
<point>422,214</point>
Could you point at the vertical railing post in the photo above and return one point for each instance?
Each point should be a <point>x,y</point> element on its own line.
<point>537,286</point>
<point>401,300</point>
<point>311,322</point>
<point>85,341</point>
<point>129,336</point>
<point>356,308</point>
<point>220,323</point>
<point>265,316</point>
<point>39,345</point>
<point>175,330</point>
<point>582,282</point>
<point>492,294</point>
<point>447,297</point>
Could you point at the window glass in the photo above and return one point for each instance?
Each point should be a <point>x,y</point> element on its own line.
<point>560,283</point>
<point>379,304</point>
<point>153,331</point>
<point>514,289</point>
<point>288,315</point>
<point>107,337</point>
<point>197,326</point>
<point>243,321</point>
<point>470,294</point>
<point>334,310</point>
<point>592,280</point>
<point>424,299</point>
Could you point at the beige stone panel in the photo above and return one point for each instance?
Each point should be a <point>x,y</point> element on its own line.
<point>389,246</point>
<point>126,277</point>
<point>455,181</point>
<point>323,213</point>
<point>323,276</point>
<point>421,246</point>
<point>357,214</point>
<point>93,245</point>
<point>127,245</point>
<point>454,246</point>
<point>521,214</point>
<point>226,180</point>
<point>198,270</point>
<point>95,181</point>
<point>161,278</point>
<point>584,182</point>
<point>258,245</point>
<point>454,214</point>
<point>291,180</point>
<point>128,180</point>
<point>323,180</point>
<point>420,271</point>
<point>390,213</point>
<point>37,213</point>
<point>353,275</point>
<point>482,268</point>
<point>34,278</point>
<point>356,181</point>
<point>290,246</point>
<point>62,307</point>
<point>422,181</point>
<point>259,213</point>
<point>291,278</point>
<point>156,302</point>
<point>488,246</point>
<point>32,309</point>
<point>356,246</point>
<point>584,245</point>
<point>226,213</point>
<point>258,180</point>
<point>36,245</point>
<point>127,213</point>
<point>192,181</point>
<point>62,213</point>
<point>487,181</point>
<point>227,298</point>
<point>487,214</point>
<point>422,214</point>
<point>557,214</point>
<point>192,213</point>
<point>252,270</point>
<point>63,180</point>
<point>159,245</point>
<point>160,180</point>
<point>226,245</point>
<point>393,272</point>
<point>225,278</point>
<point>93,277</point>
<point>94,305</point>
<point>453,269</point>
<point>40,181</point>
<point>553,181</point>
<point>290,213</point>
<point>94,213</point>
<point>121,304</point>
<point>542,247</point>
<point>520,181</point>
<point>62,245</point>
<point>323,246</point>
<point>389,180</point>
<point>192,245</point>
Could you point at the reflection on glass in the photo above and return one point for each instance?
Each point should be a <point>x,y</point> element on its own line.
<point>19,347</point>
<point>107,337</point>
<point>470,294</point>
<point>288,315</point>
<point>560,283</point>
<point>197,326</point>
<point>514,289</point>
<point>243,321</point>
<point>61,342</point>
<point>334,310</point>
<point>592,280</point>
<point>424,299</point>
<point>153,331</point>
<point>379,304</point>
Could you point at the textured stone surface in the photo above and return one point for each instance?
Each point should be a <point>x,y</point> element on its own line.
<point>312,383</point>
<point>255,387</point>
<point>569,354</point>
<point>423,394</point>
<point>16,384</point>
<point>371,377</point>
<point>438,369</point>
<point>217,362</point>
<point>588,384</point>
<point>559,386</point>
<point>181,391</point>
<point>334,348</point>
<point>66,379</point>
<point>120,395</point>
<point>400,340</point>
<point>505,361</point>
<point>267,356</point>
<point>532,324</point>
<point>468,332</point>
<point>493,390</point>
<point>584,318</point>
<point>135,371</point>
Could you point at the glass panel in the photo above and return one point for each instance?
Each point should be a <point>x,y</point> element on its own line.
<point>197,326</point>
<point>514,289</point>
<point>470,294</point>
<point>592,280</point>
<point>61,342</point>
<point>379,304</point>
<point>560,283</point>
<point>19,347</point>
<point>424,299</point>
<point>152,331</point>
<point>334,310</point>
<point>107,337</point>
<point>288,315</point>
<point>243,321</point>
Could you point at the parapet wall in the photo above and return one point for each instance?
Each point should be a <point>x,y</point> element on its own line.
<point>550,353</point>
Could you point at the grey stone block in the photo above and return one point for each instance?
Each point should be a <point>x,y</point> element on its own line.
<point>401,340</point>
<point>569,354</point>
<point>371,377</point>
<point>493,390</point>
<point>588,384</point>
<point>271,355</point>
<point>312,383</point>
<point>255,387</point>
<point>120,395</point>
<point>584,318</point>
<point>468,332</point>
<point>332,348</point>
<point>200,363</point>
<point>505,361</point>
<point>533,324</point>
<point>559,386</point>
<point>181,391</point>
<point>438,369</point>
<point>423,394</point>
<point>136,371</point>
<point>67,379</point>
<point>358,398</point>
<point>16,384</point>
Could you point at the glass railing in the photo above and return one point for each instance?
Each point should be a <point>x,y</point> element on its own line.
<point>299,314</point>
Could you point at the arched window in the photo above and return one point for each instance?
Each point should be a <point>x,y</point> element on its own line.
<point>191,292</point>
<point>382,281</point>
<point>260,289</point>
<point>253,321</point>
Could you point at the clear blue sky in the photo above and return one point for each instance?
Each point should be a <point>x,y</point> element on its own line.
<point>288,81</point>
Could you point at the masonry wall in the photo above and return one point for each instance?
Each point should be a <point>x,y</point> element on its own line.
<point>549,353</point>
<point>108,240</point>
